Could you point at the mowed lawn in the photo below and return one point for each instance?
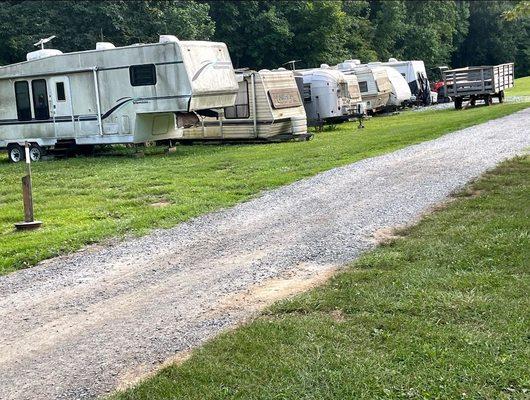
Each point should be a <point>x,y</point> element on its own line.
<point>521,87</point>
<point>85,200</point>
<point>441,313</point>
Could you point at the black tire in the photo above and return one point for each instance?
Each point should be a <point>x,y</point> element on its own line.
<point>488,100</point>
<point>473,101</point>
<point>15,153</point>
<point>35,152</point>
<point>501,96</point>
<point>458,103</point>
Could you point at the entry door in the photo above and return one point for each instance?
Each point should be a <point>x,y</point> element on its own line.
<point>61,107</point>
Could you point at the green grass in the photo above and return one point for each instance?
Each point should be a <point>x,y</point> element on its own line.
<point>86,200</point>
<point>442,313</point>
<point>521,87</point>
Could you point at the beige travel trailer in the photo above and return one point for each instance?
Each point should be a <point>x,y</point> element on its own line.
<point>374,84</point>
<point>329,96</point>
<point>130,94</point>
<point>268,107</point>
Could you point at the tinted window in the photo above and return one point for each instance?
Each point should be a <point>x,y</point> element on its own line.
<point>61,95</point>
<point>40,99</point>
<point>363,86</point>
<point>142,75</point>
<point>22,100</point>
<point>241,108</point>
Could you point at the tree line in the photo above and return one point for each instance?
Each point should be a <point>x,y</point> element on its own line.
<point>266,34</point>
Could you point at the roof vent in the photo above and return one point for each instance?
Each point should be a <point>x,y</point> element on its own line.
<point>168,39</point>
<point>104,46</point>
<point>42,53</point>
<point>324,66</point>
<point>392,59</point>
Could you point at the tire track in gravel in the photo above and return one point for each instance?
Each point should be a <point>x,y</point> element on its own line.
<point>79,326</point>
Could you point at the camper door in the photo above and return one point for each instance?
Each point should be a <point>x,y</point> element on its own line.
<point>61,106</point>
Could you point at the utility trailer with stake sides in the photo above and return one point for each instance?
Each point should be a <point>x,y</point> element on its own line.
<point>478,83</point>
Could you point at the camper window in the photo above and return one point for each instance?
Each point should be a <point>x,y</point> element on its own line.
<point>40,99</point>
<point>363,86</point>
<point>142,75</point>
<point>22,101</point>
<point>307,93</point>
<point>61,94</point>
<point>241,108</point>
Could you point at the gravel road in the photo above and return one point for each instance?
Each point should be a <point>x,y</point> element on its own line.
<point>81,325</point>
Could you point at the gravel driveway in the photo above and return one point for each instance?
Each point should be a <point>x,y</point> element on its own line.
<point>81,325</point>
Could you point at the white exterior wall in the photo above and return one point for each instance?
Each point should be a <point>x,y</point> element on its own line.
<point>270,122</point>
<point>202,78</point>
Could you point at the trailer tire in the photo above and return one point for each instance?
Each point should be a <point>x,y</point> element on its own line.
<point>501,96</point>
<point>15,152</point>
<point>35,152</point>
<point>488,100</point>
<point>473,101</point>
<point>458,103</point>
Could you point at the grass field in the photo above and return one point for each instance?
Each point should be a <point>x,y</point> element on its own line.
<point>521,87</point>
<point>85,200</point>
<point>441,313</point>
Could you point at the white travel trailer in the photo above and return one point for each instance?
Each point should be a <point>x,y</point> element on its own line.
<point>401,94</point>
<point>130,94</point>
<point>268,107</point>
<point>329,95</point>
<point>415,74</point>
<point>373,81</point>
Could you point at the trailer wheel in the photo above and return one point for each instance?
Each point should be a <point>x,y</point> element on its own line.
<point>473,101</point>
<point>35,152</point>
<point>458,103</point>
<point>488,100</point>
<point>15,152</point>
<point>501,96</point>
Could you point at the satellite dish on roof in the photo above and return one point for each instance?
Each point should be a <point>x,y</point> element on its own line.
<point>292,63</point>
<point>43,41</point>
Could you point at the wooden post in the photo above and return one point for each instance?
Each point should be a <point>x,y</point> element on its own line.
<point>27,196</point>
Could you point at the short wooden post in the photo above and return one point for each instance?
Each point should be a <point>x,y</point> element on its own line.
<point>27,196</point>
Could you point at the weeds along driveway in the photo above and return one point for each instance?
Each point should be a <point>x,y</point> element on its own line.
<point>81,325</point>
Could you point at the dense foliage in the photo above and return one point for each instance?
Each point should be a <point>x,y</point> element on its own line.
<point>269,33</point>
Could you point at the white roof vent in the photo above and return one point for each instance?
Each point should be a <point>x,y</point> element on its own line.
<point>281,69</point>
<point>324,66</point>
<point>392,59</point>
<point>42,53</point>
<point>104,46</point>
<point>168,39</point>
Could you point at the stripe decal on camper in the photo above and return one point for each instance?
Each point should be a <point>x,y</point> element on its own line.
<point>107,114</point>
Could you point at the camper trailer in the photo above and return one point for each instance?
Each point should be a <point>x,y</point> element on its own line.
<point>374,83</point>
<point>268,107</point>
<point>400,95</point>
<point>415,74</point>
<point>329,96</point>
<point>130,94</point>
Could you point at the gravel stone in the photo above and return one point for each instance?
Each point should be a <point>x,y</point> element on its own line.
<point>77,326</point>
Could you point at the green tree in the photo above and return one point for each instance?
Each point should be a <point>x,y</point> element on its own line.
<point>390,26</point>
<point>256,33</point>
<point>494,40</point>
<point>79,24</point>
<point>360,31</point>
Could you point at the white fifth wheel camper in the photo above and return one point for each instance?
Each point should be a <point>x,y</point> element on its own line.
<point>268,107</point>
<point>329,95</point>
<point>374,84</point>
<point>415,74</point>
<point>401,94</point>
<point>130,94</point>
